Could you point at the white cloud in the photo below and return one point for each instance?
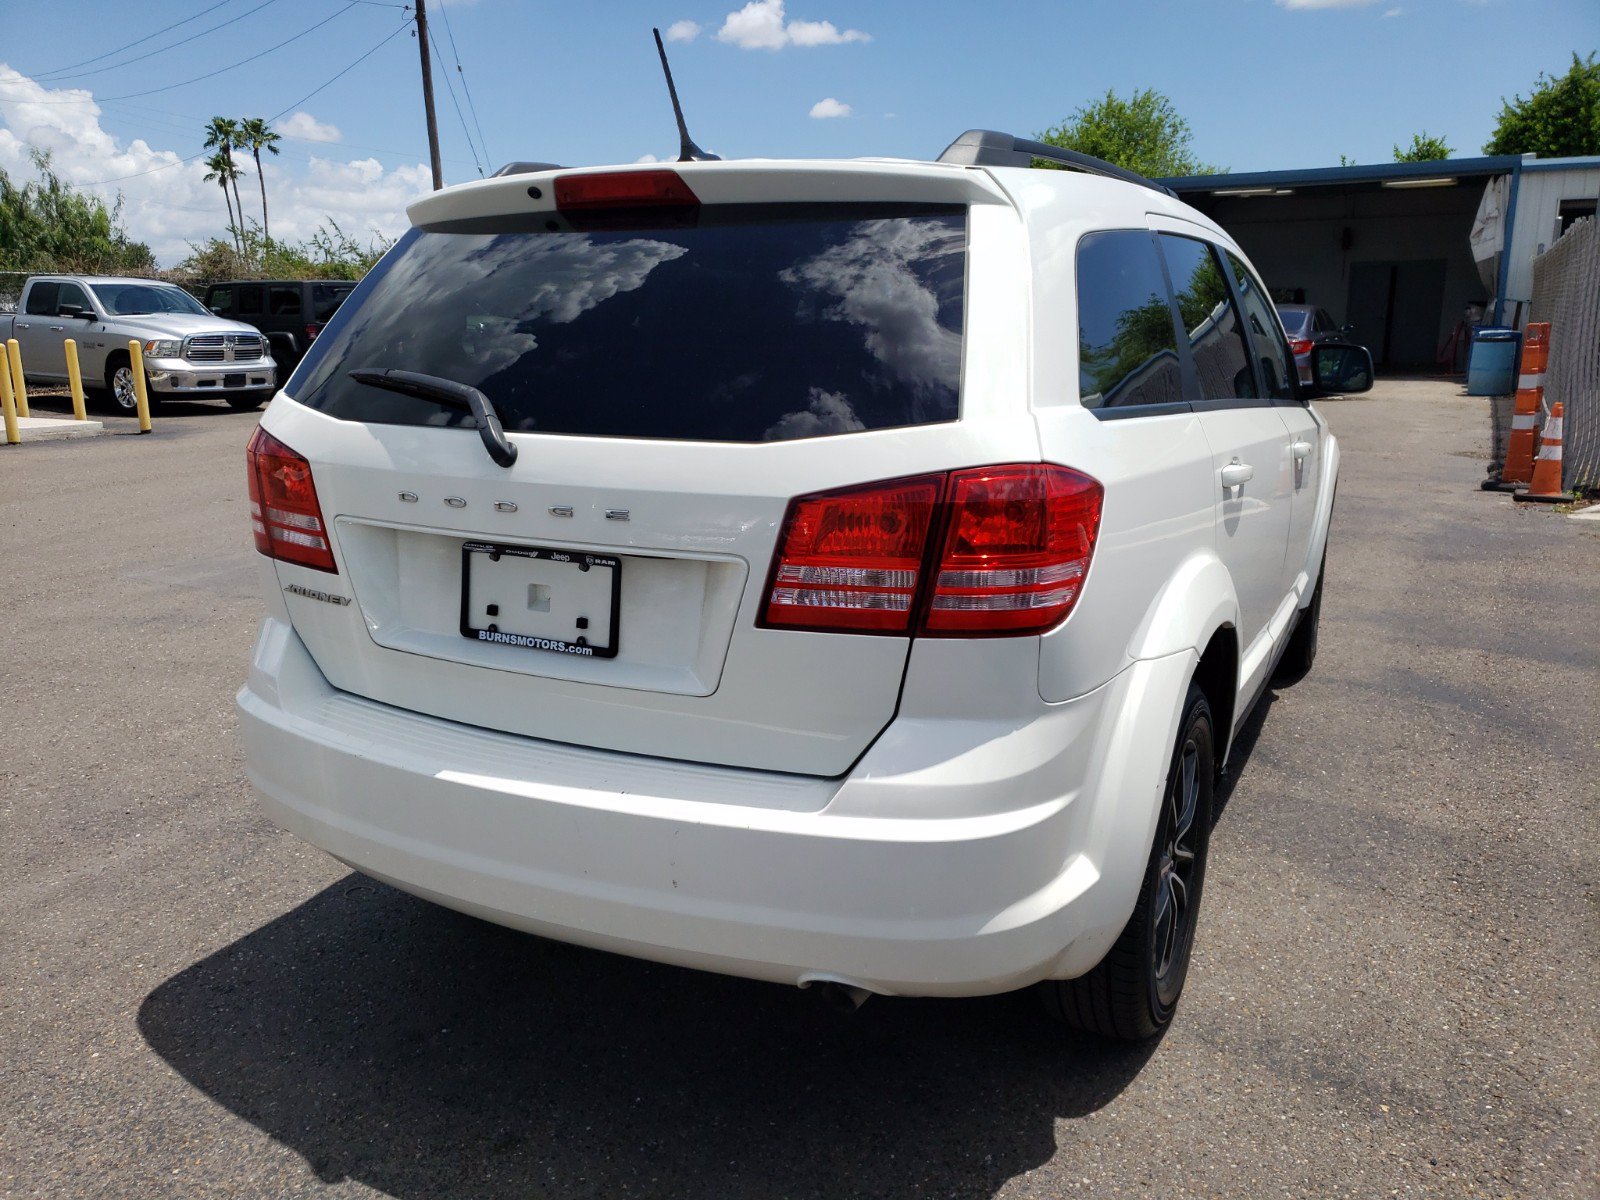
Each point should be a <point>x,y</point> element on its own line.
<point>760,25</point>
<point>1325,3</point>
<point>646,158</point>
<point>167,202</point>
<point>1394,12</point>
<point>823,109</point>
<point>307,128</point>
<point>683,31</point>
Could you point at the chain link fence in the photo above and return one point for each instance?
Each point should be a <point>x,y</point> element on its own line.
<point>1566,292</point>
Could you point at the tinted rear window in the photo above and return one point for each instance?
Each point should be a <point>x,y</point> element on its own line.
<point>1295,320</point>
<point>326,298</point>
<point>756,324</point>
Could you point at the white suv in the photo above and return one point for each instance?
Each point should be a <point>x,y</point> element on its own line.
<point>840,572</point>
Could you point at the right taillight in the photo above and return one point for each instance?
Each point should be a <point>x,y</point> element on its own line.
<point>985,551</point>
<point>284,513</point>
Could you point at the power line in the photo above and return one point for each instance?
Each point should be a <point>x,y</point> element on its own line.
<point>141,41</point>
<point>52,76</point>
<point>456,104</point>
<point>467,92</point>
<point>186,82</point>
<point>396,33</point>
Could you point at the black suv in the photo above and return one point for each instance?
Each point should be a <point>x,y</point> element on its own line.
<point>290,312</point>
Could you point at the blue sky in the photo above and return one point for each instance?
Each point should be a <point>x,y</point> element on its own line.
<point>1264,83</point>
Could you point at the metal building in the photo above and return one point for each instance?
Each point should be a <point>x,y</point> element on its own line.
<point>1407,253</point>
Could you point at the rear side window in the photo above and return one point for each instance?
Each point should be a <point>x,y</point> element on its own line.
<point>326,298</point>
<point>1127,346</point>
<point>42,299</point>
<point>1216,341</point>
<point>757,323</point>
<point>1276,371</point>
<point>284,300</point>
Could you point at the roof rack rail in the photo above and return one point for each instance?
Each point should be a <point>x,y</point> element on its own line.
<point>525,168</point>
<point>991,148</point>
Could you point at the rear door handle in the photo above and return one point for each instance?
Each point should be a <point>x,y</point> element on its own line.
<point>1237,473</point>
<point>57,328</point>
<point>23,325</point>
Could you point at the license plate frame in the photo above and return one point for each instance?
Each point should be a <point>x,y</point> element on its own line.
<point>562,560</point>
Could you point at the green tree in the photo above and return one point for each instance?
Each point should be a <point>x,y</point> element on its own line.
<point>257,135</point>
<point>1424,148</point>
<point>220,170</point>
<point>329,254</point>
<point>48,225</point>
<point>222,135</point>
<point>1560,117</point>
<point>1143,133</point>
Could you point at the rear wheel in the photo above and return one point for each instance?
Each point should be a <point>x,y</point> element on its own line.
<point>1133,992</point>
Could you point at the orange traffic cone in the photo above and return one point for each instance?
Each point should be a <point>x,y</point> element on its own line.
<point>1546,485</point>
<point>1518,468</point>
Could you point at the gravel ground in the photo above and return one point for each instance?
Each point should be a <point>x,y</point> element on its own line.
<point>1394,992</point>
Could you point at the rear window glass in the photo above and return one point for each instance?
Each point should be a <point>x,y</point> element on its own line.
<point>326,298</point>
<point>1295,321</point>
<point>758,323</point>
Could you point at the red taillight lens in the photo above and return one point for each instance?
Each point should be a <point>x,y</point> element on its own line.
<point>852,559</point>
<point>1299,346</point>
<point>623,189</point>
<point>1013,542</point>
<point>312,329</point>
<point>284,512</point>
<point>1016,548</point>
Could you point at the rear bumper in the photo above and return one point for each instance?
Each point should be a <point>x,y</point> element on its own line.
<point>1021,876</point>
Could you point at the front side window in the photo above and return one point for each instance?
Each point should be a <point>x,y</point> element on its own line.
<point>220,297</point>
<point>1277,370</point>
<point>250,301</point>
<point>1216,340</point>
<point>1127,346</point>
<point>755,323</point>
<point>71,293</point>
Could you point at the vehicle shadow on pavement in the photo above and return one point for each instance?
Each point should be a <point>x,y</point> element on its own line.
<point>424,1053</point>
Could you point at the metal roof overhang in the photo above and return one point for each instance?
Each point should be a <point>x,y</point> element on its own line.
<point>1376,174</point>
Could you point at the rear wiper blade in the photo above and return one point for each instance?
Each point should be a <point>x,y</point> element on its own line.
<point>451,394</point>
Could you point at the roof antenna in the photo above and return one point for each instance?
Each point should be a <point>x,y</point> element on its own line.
<point>687,150</point>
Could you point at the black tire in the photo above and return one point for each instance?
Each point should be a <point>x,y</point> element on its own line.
<point>247,401</point>
<point>1301,652</point>
<point>120,390</point>
<point>1133,992</point>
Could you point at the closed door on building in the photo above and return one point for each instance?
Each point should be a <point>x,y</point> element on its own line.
<point>1396,308</point>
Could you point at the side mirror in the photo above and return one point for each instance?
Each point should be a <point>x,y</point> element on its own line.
<point>216,309</point>
<point>75,311</point>
<point>1339,368</point>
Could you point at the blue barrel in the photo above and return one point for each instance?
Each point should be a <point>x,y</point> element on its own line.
<point>1492,367</point>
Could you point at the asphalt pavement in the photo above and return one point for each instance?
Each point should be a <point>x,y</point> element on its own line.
<point>1395,987</point>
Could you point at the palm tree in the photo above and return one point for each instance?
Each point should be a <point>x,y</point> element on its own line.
<point>220,169</point>
<point>258,136</point>
<point>222,135</point>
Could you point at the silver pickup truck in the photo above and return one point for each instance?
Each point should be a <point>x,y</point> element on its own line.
<point>189,353</point>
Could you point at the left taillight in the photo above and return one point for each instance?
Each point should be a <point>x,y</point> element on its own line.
<point>1299,346</point>
<point>284,513</point>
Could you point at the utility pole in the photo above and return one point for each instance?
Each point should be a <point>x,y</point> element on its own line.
<point>427,93</point>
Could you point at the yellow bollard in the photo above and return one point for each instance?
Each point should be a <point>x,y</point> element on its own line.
<point>140,395</point>
<point>9,404</point>
<point>75,381</point>
<point>19,386</point>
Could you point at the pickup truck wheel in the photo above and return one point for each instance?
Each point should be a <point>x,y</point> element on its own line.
<point>1133,992</point>
<point>1301,652</point>
<point>119,381</point>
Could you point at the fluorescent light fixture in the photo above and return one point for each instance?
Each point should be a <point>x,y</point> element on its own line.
<point>1246,191</point>
<point>1436,181</point>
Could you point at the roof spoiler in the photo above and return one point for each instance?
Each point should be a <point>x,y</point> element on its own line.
<point>991,148</point>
